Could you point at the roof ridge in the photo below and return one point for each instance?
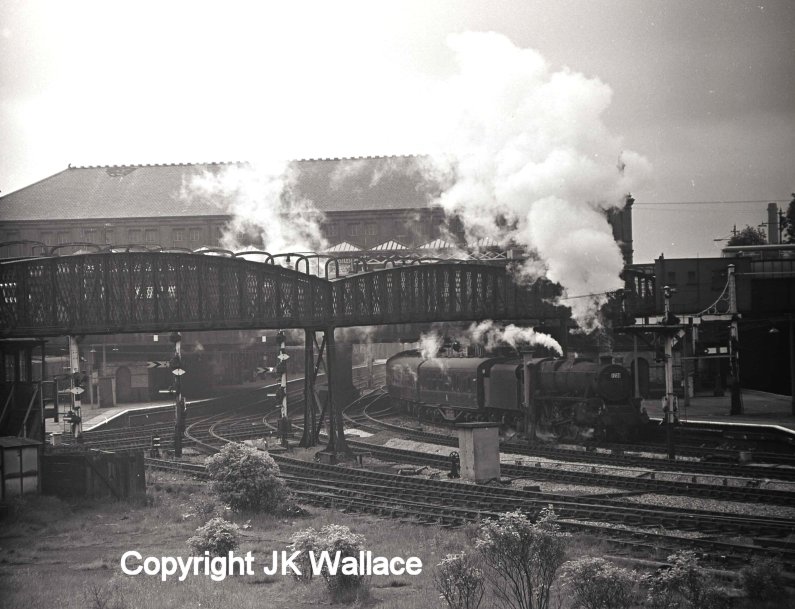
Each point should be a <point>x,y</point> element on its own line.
<point>243,162</point>
<point>139,165</point>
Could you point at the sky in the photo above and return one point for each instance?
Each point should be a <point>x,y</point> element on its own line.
<point>701,91</point>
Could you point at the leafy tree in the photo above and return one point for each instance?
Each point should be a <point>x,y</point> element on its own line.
<point>459,581</point>
<point>789,222</point>
<point>749,236</point>
<point>248,479</point>
<point>523,557</point>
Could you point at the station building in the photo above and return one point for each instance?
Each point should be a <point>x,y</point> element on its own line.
<point>372,207</point>
<point>365,202</point>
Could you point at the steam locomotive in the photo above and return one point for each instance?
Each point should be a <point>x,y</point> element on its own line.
<point>571,398</point>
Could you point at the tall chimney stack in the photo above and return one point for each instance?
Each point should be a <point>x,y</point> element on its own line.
<point>772,223</point>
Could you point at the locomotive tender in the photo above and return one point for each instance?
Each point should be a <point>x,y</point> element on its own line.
<point>570,397</point>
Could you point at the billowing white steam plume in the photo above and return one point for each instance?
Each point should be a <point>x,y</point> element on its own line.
<point>430,344</point>
<point>533,164</point>
<point>491,335</point>
<point>265,212</point>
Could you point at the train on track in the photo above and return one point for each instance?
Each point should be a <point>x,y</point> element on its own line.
<point>571,398</point>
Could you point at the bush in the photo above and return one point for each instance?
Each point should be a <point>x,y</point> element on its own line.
<point>305,542</point>
<point>763,580</point>
<point>459,581</point>
<point>524,557</point>
<point>684,585</point>
<point>333,539</point>
<point>248,479</point>
<point>217,536</point>
<point>596,583</point>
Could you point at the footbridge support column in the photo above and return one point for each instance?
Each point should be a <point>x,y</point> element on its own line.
<point>309,437</point>
<point>337,446</point>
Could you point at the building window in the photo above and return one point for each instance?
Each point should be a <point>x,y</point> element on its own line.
<point>179,235</point>
<point>671,275</point>
<point>109,236</point>
<point>90,235</point>
<point>354,229</point>
<point>47,238</point>
<point>134,235</point>
<point>691,277</point>
<point>400,228</point>
<point>150,235</point>
<point>371,229</point>
<point>333,230</point>
<point>195,234</point>
<point>64,237</point>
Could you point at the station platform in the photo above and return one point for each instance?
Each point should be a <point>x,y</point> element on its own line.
<point>759,408</point>
<point>94,415</point>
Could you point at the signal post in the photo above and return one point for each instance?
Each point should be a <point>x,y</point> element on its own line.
<point>667,328</point>
<point>179,407</point>
<point>77,381</point>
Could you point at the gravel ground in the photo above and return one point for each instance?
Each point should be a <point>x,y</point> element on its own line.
<point>628,472</point>
<point>714,505</point>
<point>624,527</point>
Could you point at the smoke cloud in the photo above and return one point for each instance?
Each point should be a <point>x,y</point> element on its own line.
<point>491,335</point>
<point>266,213</point>
<point>430,345</point>
<point>533,164</point>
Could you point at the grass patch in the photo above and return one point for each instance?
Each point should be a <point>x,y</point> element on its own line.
<point>66,554</point>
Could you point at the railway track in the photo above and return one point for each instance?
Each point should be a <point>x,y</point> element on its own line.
<point>592,456</point>
<point>453,504</point>
<point>374,488</point>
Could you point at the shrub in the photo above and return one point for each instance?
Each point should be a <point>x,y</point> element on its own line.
<point>459,581</point>
<point>524,557</point>
<point>763,580</point>
<point>596,583</point>
<point>335,540</point>
<point>248,479</point>
<point>305,542</point>
<point>217,536</point>
<point>684,585</point>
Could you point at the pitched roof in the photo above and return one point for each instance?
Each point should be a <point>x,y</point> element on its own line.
<point>145,191</point>
<point>388,245</point>
<point>436,244</point>
<point>344,246</point>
